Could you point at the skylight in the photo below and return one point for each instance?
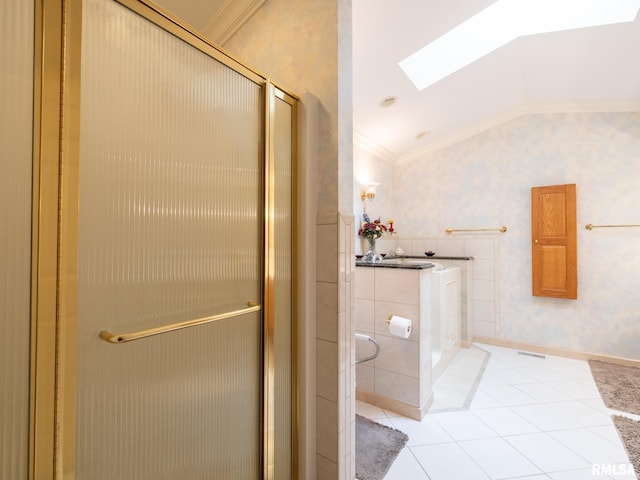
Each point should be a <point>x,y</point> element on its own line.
<point>504,21</point>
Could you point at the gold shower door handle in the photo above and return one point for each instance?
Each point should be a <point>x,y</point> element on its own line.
<point>128,337</point>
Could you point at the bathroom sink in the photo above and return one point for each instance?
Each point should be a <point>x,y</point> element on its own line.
<point>412,261</point>
<point>406,261</point>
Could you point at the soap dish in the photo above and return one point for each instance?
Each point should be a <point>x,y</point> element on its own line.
<point>429,253</point>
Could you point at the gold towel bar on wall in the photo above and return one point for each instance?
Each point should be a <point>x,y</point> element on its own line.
<point>128,337</point>
<point>590,226</point>
<point>500,229</point>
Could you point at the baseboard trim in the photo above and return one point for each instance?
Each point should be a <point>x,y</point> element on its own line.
<point>559,352</point>
<point>380,401</point>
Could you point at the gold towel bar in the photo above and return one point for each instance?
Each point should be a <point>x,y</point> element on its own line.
<point>128,337</point>
<point>590,226</point>
<point>500,229</point>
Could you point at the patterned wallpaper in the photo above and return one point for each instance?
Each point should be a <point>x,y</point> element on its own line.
<point>485,181</point>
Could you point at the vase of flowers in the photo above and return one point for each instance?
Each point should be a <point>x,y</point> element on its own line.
<point>371,230</point>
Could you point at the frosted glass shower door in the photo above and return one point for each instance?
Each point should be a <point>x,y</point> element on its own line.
<point>170,229</point>
<point>16,141</point>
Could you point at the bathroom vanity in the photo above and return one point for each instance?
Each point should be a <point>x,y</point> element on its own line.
<point>401,377</point>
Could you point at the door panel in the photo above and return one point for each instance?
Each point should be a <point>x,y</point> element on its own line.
<point>16,140</point>
<point>170,229</point>
<point>554,249</point>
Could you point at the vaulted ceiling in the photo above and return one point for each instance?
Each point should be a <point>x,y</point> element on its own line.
<point>588,69</point>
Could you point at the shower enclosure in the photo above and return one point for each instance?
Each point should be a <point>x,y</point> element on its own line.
<point>156,332</point>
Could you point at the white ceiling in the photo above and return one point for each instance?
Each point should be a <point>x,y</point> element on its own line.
<point>591,69</point>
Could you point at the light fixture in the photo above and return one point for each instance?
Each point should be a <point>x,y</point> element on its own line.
<point>504,21</point>
<point>388,101</point>
<point>368,193</point>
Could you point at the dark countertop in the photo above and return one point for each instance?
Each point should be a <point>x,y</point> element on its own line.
<point>436,257</point>
<point>389,264</point>
<point>408,262</point>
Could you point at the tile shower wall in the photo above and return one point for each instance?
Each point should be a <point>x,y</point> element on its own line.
<point>335,350</point>
<point>486,180</point>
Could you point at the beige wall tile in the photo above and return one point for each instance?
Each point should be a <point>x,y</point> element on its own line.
<point>365,283</point>
<point>397,386</point>
<point>398,355</point>
<point>383,310</point>
<point>397,285</point>
<point>327,370</point>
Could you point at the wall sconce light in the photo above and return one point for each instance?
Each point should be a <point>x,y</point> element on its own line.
<point>368,193</point>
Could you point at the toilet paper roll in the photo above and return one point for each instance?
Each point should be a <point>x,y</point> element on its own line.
<point>399,326</point>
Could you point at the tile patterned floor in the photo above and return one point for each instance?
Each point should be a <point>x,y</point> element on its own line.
<point>501,414</point>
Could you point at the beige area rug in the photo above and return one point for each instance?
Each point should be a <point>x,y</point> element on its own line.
<point>619,386</point>
<point>629,431</point>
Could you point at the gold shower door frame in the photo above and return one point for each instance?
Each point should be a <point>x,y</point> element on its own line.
<point>55,245</point>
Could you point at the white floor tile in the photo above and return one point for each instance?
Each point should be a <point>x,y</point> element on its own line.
<point>546,453</point>
<point>545,418</point>
<point>576,389</point>
<point>463,425</point>
<point>483,400</point>
<point>573,369</point>
<point>450,393</point>
<point>514,360</point>
<point>609,433</point>
<point>587,382</point>
<point>529,419</point>
<point>597,472</point>
<point>384,421</point>
<point>533,477</point>
<point>499,459</point>
<point>406,467</point>
<point>426,432</point>
<point>582,474</point>
<point>448,461</point>
<point>596,404</point>
<point>544,393</point>
<point>495,363</point>
<point>514,376</point>
<point>590,446</point>
<point>581,413</point>
<point>505,421</point>
<point>548,374</point>
<point>508,395</point>
<point>489,379</point>
<point>624,472</point>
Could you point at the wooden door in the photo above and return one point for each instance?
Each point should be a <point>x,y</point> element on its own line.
<point>553,237</point>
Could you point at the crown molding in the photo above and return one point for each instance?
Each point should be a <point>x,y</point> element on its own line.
<point>363,142</point>
<point>632,105</point>
<point>229,18</point>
